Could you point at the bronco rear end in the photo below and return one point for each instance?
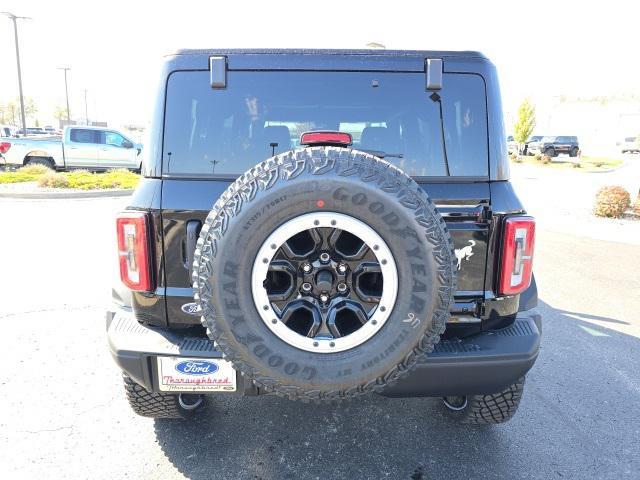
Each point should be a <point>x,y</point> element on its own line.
<point>322,225</point>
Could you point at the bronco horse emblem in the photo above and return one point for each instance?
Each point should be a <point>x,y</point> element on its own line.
<point>465,253</point>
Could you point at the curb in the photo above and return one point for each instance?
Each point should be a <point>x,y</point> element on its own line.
<point>67,195</point>
<point>577,170</point>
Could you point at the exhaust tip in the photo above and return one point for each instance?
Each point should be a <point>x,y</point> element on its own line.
<point>455,403</point>
<point>190,401</point>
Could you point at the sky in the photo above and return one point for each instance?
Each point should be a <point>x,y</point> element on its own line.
<point>541,49</point>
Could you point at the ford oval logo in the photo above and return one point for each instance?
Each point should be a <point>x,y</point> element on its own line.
<point>192,309</point>
<point>197,367</point>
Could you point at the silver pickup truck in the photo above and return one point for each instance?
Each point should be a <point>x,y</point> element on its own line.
<point>93,148</point>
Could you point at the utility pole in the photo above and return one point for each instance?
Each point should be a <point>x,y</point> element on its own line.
<point>13,18</point>
<point>66,91</point>
<point>86,110</point>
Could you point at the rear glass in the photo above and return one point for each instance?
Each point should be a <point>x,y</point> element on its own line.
<point>81,135</point>
<point>227,131</point>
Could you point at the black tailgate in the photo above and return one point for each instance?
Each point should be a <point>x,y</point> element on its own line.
<point>186,203</point>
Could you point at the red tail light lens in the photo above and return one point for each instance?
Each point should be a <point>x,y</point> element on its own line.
<point>133,251</point>
<point>326,138</point>
<point>517,255</point>
<point>4,147</point>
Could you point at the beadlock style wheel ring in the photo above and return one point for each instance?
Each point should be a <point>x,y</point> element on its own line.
<point>324,282</point>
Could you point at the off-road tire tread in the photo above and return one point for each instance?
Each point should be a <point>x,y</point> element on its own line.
<point>153,405</point>
<point>319,161</point>
<point>493,408</point>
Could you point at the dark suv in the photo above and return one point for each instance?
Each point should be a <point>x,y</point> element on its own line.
<point>321,225</point>
<point>552,146</point>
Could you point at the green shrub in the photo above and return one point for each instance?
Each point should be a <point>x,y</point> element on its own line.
<point>53,180</point>
<point>538,157</point>
<point>577,165</point>
<point>85,180</point>
<point>79,179</point>
<point>17,177</point>
<point>611,202</point>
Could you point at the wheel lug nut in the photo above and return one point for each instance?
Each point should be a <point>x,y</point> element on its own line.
<point>342,287</point>
<point>324,257</point>
<point>342,268</point>
<point>324,298</point>
<point>306,267</point>
<point>306,286</point>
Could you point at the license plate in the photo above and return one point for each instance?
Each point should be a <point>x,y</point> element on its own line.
<point>179,374</point>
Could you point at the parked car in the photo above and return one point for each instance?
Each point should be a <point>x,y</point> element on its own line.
<point>533,138</point>
<point>50,130</point>
<point>326,272</point>
<point>8,131</point>
<point>630,145</point>
<point>94,148</point>
<point>512,145</point>
<point>554,145</point>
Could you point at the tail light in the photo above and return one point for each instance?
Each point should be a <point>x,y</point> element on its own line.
<point>134,251</point>
<point>517,255</point>
<point>326,138</point>
<point>4,147</point>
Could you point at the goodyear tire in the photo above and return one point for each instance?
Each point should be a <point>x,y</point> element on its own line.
<point>324,273</point>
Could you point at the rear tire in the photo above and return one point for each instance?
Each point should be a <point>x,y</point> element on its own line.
<point>550,152</point>
<point>486,409</point>
<point>160,405</point>
<point>44,161</point>
<point>574,152</point>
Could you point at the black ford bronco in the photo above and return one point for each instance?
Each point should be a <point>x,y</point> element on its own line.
<point>321,225</point>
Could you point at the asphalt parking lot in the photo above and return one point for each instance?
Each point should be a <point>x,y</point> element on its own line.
<point>64,414</point>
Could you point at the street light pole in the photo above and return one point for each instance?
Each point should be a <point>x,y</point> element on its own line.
<point>66,91</point>
<point>13,18</point>
<point>86,110</point>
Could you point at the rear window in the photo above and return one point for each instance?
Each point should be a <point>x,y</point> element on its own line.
<point>82,135</point>
<point>226,132</point>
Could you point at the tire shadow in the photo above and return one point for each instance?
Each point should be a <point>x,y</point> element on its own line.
<point>273,438</point>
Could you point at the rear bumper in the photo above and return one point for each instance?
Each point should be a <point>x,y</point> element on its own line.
<point>484,363</point>
<point>481,364</point>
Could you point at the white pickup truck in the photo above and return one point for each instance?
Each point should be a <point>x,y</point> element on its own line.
<point>93,148</point>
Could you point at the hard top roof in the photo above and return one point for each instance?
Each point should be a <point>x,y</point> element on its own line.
<point>304,51</point>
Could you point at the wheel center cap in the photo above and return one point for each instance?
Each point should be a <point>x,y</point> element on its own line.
<point>324,280</point>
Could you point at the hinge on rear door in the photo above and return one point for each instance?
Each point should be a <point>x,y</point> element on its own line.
<point>486,215</point>
<point>433,70</point>
<point>218,72</point>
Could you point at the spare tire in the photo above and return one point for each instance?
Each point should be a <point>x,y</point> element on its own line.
<point>324,273</point>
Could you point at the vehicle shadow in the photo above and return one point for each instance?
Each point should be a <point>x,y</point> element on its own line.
<point>566,426</point>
